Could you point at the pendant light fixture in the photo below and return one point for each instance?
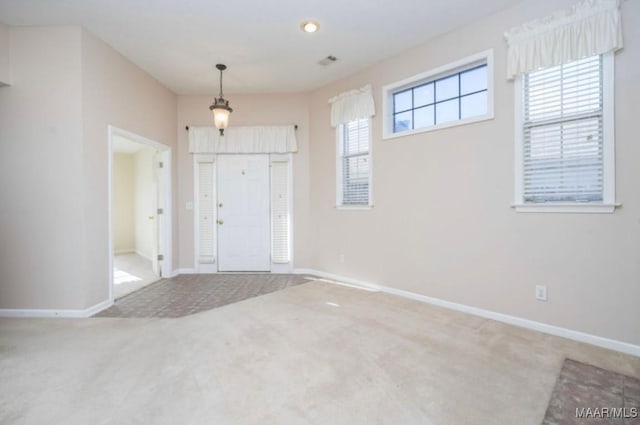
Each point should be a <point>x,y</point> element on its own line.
<point>220,106</point>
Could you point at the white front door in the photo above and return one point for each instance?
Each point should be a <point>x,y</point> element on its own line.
<point>244,236</point>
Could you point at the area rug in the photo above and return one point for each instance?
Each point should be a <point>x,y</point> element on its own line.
<point>586,394</point>
<point>188,294</point>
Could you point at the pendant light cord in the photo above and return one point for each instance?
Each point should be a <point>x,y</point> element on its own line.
<point>221,84</point>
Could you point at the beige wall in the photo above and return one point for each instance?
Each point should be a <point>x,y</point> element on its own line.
<point>259,109</point>
<point>67,87</point>
<point>5,55</point>
<point>115,92</point>
<point>41,215</point>
<point>442,225</point>
<point>123,190</point>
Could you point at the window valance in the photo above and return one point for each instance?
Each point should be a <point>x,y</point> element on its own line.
<point>352,105</point>
<point>589,28</point>
<point>253,139</point>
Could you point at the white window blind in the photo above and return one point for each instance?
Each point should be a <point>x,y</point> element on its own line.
<point>279,212</point>
<point>206,211</point>
<point>354,163</point>
<point>563,133</point>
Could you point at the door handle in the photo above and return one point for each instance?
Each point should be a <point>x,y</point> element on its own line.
<point>221,222</point>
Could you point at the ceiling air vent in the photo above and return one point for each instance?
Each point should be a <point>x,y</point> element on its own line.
<point>328,60</point>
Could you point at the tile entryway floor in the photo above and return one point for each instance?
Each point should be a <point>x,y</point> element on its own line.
<point>188,294</point>
<point>131,272</point>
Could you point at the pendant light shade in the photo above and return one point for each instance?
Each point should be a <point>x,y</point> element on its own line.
<point>220,106</point>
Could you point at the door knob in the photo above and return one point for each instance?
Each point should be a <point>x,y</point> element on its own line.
<point>221,222</point>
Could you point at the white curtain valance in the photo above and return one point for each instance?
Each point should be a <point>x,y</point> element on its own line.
<point>591,27</point>
<point>255,139</point>
<point>352,105</point>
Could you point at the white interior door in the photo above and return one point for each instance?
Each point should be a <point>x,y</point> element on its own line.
<point>244,237</point>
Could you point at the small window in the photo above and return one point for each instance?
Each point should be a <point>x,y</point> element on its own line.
<point>457,93</point>
<point>565,146</point>
<point>354,167</point>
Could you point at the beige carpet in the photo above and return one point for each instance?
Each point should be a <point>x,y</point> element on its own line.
<point>316,353</point>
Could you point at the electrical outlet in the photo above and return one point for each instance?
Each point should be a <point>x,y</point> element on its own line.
<point>541,293</point>
<point>341,258</point>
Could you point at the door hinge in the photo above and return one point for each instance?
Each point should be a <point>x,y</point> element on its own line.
<point>160,164</point>
<point>160,257</point>
<point>160,211</point>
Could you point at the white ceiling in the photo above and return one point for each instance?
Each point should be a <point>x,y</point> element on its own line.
<point>180,41</point>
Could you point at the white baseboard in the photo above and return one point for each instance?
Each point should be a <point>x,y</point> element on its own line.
<point>143,255</point>
<point>124,251</point>
<point>56,313</point>
<point>281,268</point>
<point>206,268</point>
<point>183,271</point>
<point>623,347</point>
<point>173,273</point>
<point>98,308</point>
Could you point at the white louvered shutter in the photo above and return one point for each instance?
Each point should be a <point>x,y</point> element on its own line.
<point>280,211</point>
<point>563,133</point>
<point>355,162</point>
<point>206,209</point>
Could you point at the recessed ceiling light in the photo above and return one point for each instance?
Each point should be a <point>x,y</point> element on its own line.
<point>309,26</point>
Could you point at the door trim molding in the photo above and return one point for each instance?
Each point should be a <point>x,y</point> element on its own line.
<point>167,230</point>
<point>213,267</point>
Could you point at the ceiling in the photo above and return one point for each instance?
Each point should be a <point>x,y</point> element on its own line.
<point>179,42</point>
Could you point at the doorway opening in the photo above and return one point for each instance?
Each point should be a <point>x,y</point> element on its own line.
<point>139,212</point>
<point>243,213</point>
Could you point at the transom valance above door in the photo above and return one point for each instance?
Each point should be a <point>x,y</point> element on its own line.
<point>253,139</point>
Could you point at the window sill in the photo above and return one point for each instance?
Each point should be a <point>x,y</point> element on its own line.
<point>472,120</point>
<point>566,207</point>
<point>354,207</point>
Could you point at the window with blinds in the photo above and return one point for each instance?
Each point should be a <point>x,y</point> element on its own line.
<point>563,133</point>
<point>206,211</point>
<point>280,220</point>
<point>354,168</point>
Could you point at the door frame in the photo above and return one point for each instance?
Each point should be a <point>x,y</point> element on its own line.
<point>213,268</point>
<point>165,233</point>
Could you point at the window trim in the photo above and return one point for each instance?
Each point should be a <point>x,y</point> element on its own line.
<point>339,171</point>
<point>434,74</point>
<point>608,204</point>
